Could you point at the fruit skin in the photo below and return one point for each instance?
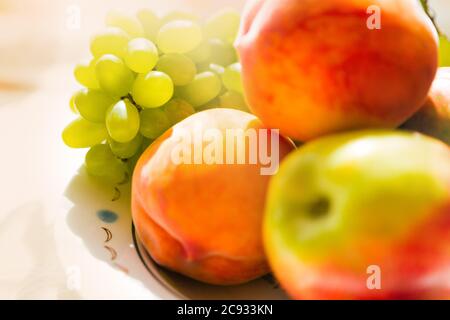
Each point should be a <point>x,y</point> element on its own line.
<point>312,68</point>
<point>203,221</point>
<point>434,117</point>
<point>345,202</point>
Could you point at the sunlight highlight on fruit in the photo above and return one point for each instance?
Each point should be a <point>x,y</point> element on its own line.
<point>122,121</point>
<point>170,41</point>
<point>152,90</point>
<point>141,56</point>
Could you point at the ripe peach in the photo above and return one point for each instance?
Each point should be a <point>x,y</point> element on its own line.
<point>434,117</point>
<point>315,67</point>
<point>204,219</point>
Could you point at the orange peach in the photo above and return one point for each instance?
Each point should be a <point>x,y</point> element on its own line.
<point>434,117</point>
<point>199,217</point>
<point>312,68</point>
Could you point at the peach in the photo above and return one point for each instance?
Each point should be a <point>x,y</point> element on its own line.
<point>202,218</point>
<point>312,68</point>
<point>433,118</point>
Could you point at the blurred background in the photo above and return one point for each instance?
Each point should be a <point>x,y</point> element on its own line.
<point>37,34</point>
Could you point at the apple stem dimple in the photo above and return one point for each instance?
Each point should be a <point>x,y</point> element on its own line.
<point>319,208</point>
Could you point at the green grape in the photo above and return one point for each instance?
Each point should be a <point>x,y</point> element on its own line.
<point>112,41</point>
<point>201,53</point>
<point>222,53</point>
<point>81,133</point>
<point>141,56</point>
<point>223,25</point>
<point>152,90</point>
<point>232,78</point>
<point>177,110</point>
<point>179,36</point>
<point>130,25</point>
<point>126,150</point>
<point>85,74</point>
<point>122,121</point>
<point>73,107</point>
<point>217,69</point>
<point>101,162</point>
<point>179,15</point>
<point>92,104</point>
<point>178,67</point>
<point>205,87</point>
<point>444,52</point>
<point>114,76</point>
<point>150,23</point>
<point>233,100</point>
<point>154,122</point>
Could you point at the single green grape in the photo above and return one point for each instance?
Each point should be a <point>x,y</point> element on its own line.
<point>97,157</point>
<point>152,90</point>
<point>92,104</point>
<point>114,76</point>
<point>233,100</point>
<point>126,150</point>
<point>180,15</point>
<point>150,22</point>
<point>130,25</point>
<point>122,121</point>
<point>81,133</point>
<point>201,53</point>
<point>111,41</point>
<point>205,87</point>
<point>222,53</point>
<point>84,73</point>
<point>177,110</point>
<point>178,67</point>
<point>154,122</point>
<point>223,25</point>
<point>179,36</point>
<point>142,55</point>
<point>232,78</point>
<point>101,162</point>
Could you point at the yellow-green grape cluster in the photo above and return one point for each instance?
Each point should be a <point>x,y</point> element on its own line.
<point>146,74</point>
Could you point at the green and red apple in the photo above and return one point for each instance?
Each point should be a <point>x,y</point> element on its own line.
<point>349,208</point>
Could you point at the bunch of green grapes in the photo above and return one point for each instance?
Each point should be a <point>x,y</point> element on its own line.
<point>145,75</point>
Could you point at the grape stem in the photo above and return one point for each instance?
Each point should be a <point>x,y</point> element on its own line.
<point>130,97</point>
